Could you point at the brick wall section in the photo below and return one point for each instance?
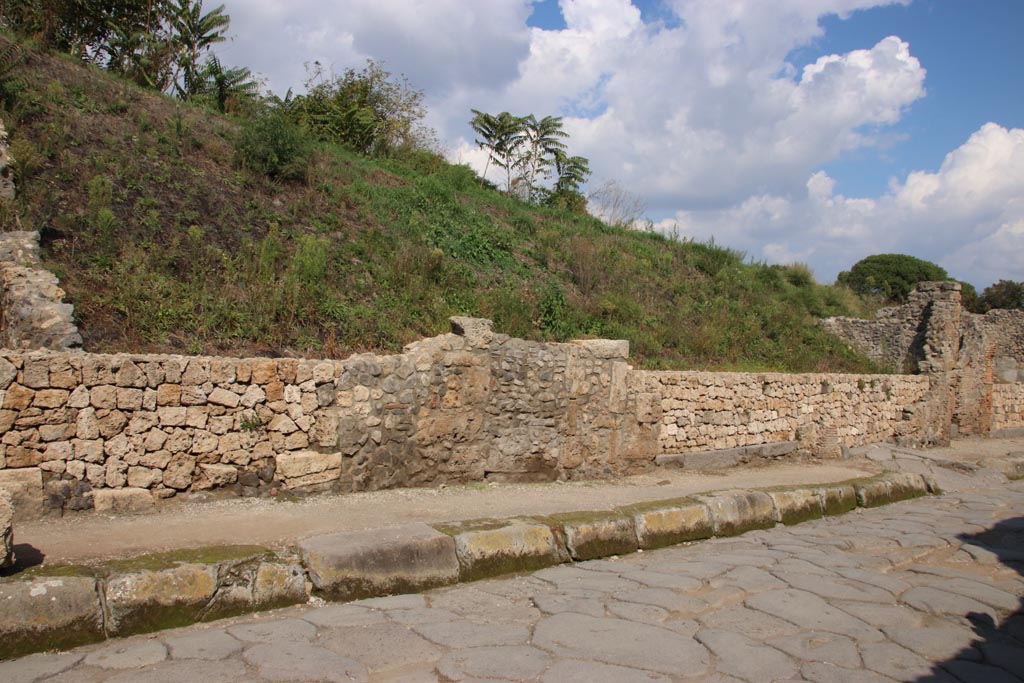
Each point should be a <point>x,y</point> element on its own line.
<point>716,410</point>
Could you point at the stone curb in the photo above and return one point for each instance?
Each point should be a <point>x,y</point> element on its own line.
<point>63,610</point>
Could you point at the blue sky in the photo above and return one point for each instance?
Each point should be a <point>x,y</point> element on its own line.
<point>797,131</point>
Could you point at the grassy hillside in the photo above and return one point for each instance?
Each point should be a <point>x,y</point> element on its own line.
<point>164,244</point>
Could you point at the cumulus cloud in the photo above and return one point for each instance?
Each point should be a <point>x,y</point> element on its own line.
<point>967,216</point>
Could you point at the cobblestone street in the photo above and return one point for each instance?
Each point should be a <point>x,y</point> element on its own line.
<point>926,590</point>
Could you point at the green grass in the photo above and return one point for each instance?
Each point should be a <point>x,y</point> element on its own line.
<point>164,244</point>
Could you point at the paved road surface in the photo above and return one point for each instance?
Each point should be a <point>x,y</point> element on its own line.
<point>928,590</point>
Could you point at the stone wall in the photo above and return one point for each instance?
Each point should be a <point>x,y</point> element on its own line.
<point>1007,408</point>
<point>965,355</point>
<point>471,406</point>
<point>704,411</point>
<point>33,314</point>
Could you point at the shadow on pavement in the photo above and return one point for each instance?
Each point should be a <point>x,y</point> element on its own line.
<point>1000,646</point>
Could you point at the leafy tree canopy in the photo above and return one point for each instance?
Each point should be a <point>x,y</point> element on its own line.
<point>890,277</point>
<point>1003,294</point>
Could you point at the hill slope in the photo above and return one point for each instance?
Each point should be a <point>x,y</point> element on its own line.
<point>163,244</point>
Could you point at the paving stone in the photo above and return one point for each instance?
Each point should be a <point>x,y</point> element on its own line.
<point>127,654</point>
<point>750,579</point>
<point>557,603</point>
<point>749,622</point>
<point>993,597</point>
<point>810,611</point>
<point>390,602</point>
<point>574,578</point>
<point>663,580</point>
<point>746,659</point>
<point>344,615</point>
<point>513,662</point>
<point>619,642</point>
<point>882,616</point>
<point>231,671</point>
<point>573,671</point>
<point>632,611</point>
<point>834,587</point>
<point>459,634</point>
<point>296,661</point>
<point>659,597</point>
<point>819,646</point>
<point>210,644</point>
<point>38,666</point>
<point>937,601</point>
<point>421,615</point>
<point>275,630</point>
<point>363,643</point>
<point>889,659</point>
<point>823,672</point>
<point>937,642</point>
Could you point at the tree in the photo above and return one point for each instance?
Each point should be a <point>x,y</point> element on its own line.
<point>81,27</point>
<point>368,110</point>
<point>615,205</point>
<point>502,136</point>
<point>571,173</point>
<point>226,88</point>
<point>192,34</point>
<point>1003,294</point>
<point>890,277</point>
<point>542,141</point>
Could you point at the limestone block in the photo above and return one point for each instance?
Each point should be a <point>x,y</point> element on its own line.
<point>588,535</point>
<point>305,468</point>
<point>478,332</point>
<point>48,614</point>
<point>492,547</point>
<point>179,470</point>
<point>735,513</point>
<point>359,564</point>
<point>8,373</point>
<point>25,486</point>
<point>283,424</point>
<point>215,475</point>
<point>122,500</point>
<point>18,397</point>
<point>144,477</point>
<point>223,397</point>
<point>278,584</point>
<point>605,348</point>
<point>667,522</point>
<point>6,529</point>
<point>140,602</point>
<point>838,499</point>
<point>103,397</point>
<point>795,506</point>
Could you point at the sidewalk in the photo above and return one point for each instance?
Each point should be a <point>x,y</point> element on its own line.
<point>279,524</point>
<point>91,577</point>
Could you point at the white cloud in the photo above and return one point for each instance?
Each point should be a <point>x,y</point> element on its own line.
<point>968,216</point>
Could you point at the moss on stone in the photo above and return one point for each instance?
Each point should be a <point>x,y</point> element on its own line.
<point>173,558</point>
